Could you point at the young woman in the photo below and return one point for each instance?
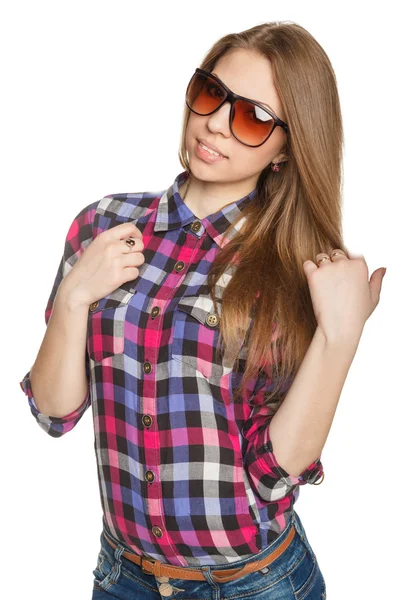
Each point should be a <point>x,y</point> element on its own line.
<point>211,327</point>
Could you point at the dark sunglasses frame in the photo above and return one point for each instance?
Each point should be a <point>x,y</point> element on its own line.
<point>232,98</point>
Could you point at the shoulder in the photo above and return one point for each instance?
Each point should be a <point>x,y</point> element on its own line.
<point>128,206</point>
<point>111,210</point>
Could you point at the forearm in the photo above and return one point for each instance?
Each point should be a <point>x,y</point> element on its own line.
<point>299,429</point>
<point>58,377</point>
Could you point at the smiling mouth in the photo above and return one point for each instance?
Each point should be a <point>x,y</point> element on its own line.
<point>210,151</point>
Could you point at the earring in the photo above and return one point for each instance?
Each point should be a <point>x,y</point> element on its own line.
<point>275,167</point>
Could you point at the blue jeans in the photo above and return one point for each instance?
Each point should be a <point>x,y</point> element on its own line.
<point>294,575</point>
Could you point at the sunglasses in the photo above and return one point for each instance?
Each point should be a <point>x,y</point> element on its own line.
<point>251,123</point>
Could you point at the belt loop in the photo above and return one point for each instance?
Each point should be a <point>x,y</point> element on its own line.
<point>118,551</point>
<point>149,571</point>
<point>115,573</point>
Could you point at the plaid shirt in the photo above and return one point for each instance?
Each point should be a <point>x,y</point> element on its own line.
<point>185,475</point>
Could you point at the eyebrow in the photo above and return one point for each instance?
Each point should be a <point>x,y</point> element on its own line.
<point>260,101</point>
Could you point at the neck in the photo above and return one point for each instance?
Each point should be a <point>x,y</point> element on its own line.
<point>204,198</point>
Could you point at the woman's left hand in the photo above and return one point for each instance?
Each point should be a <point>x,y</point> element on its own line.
<point>342,295</point>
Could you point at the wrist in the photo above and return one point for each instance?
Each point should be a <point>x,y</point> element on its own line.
<point>72,297</point>
<point>345,340</point>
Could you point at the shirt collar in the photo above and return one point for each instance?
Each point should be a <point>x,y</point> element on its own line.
<point>173,213</point>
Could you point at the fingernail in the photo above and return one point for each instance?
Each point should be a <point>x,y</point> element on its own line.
<point>384,273</point>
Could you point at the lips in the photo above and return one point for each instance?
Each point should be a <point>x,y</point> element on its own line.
<point>211,146</point>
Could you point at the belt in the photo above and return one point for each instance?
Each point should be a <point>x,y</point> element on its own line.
<point>151,566</point>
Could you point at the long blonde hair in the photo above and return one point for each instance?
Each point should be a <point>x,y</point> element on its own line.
<point>295,213</point>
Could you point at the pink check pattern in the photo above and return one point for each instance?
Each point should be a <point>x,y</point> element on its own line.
<point>185,475</point>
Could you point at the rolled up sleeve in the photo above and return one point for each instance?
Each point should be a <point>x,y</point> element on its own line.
<point>79,236</point>
<point>267,476</point>
<point>54,426</point>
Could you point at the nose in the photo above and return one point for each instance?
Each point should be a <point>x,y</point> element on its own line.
<point>219,120</point>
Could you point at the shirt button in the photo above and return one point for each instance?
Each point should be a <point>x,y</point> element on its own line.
<point>94,305</point>
<point>196,226</point>
<point>212,319</point>
<point>155,312</point>
<point>147,367</point>
<point>158,532</point>
<point>179,266</point>
<point>147,420</point>
<point>149,476</point>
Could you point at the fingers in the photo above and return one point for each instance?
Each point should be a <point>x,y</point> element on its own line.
<point>323,258</point>
<point>138,245</point>
<point>132,259</point>
<point>123,231</point>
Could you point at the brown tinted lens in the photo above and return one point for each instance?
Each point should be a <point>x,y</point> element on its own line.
<point>204,94</point>
<point>251,124</point>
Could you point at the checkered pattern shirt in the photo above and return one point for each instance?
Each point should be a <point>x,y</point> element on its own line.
<point>186,476</point>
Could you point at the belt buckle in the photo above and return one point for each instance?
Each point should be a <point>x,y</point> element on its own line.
<point>152,560</point>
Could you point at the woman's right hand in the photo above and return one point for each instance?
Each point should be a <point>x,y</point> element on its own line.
<point>105,264</point>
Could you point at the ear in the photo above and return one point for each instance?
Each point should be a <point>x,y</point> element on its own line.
<point>282,157</point>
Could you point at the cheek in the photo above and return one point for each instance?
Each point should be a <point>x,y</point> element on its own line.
<point>196,125</point>
<point>190,139</point>
<point>248,161</point>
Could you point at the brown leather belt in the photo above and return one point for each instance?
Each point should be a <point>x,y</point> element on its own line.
<point>151,566</point>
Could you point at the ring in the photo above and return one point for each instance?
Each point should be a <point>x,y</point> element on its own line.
<point>333,254</point>
<point>323,258</point>
<point>338,252</point>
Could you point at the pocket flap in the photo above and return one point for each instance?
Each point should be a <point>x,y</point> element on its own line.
<point>200,307</point>
<point>119,297</point>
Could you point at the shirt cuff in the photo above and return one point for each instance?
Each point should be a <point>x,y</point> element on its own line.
<point>264,450</point>
<point>55,426</point>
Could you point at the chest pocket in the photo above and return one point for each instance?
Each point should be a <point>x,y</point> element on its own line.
<point>106,324</point>
<point>196,335</point>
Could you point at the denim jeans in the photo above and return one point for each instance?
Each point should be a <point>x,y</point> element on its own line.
<point>294,575</point>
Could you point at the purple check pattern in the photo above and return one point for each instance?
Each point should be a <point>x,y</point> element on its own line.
<point>186,476</point>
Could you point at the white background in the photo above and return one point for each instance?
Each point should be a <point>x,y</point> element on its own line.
<point>91,104</point>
